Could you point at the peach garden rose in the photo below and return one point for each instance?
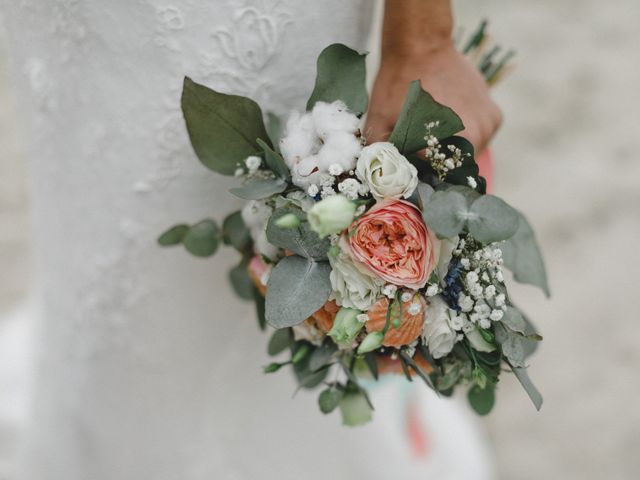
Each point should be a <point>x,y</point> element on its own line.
<point>392,241</point>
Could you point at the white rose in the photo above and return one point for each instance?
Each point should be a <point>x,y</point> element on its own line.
<point>387,173</point>
<point>438,334</point>
<point>351,287</point>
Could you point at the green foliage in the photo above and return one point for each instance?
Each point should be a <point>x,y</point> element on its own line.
<point>482,400</point>
<point>223,128</point>
<point>258,188</point>
<point>419,109</point>
<point>302,240</point>
<point>260,308</point>
<point>241,281</point>
<point>203,238</point>
<point>329,399</point>
<point>274,161</point>
<point>522,256</point>
<point>529,387</point>
<point>469,167</point>
<point>280,341</point>
<point>355,409</point>
<point>235,233</point>
<point>297,288</point>
<point>487,218</point>
<point>511,344</point>
<point>341,76</point>
<point>322,356</point>
<point>274,128</point>
<point>173,236</point>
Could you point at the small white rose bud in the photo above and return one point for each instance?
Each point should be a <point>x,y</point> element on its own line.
<point>331,215</point>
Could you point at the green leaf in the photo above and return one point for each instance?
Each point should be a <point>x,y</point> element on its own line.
<point>174,235</point>
<point>274,128</point>
<point>372,364</point>
<point>522,256</point>
<point>514,320</point>
<point>511,344</point>
<point>241,281</point>
<point>322,355</point>
<point>329,399</point>
<point>260,308</point>
<point>341,76</point>
<point>203,238</point>
<point>446,213</point>
<point>469,167</point>
<point>259,188</point>
<point>297,288</point>
<point>236,233</point>
<point>301,240</point>
<point>523,377</point>
<point>355,409</point>
<point>280,341</point>
<point>222,128</point>
<point>482,400</point>
<point>274,161</point>
<point>419,109</point>
<point>492,219</point>
<point>307,378</point>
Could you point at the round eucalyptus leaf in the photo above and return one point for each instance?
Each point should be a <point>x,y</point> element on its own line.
<point>259,188</point>
<point>492,219</point>
<point>241,282</point>
<point>174,235</point>
<point>446,213</point>
<point>329,399</point>
<point>482,400</point>
<point>355,409</point>
<point>202,239</point>
<point>280,341</point>
<point>235,232</point>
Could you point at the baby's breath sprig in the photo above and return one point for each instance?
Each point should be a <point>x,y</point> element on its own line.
<point>441,161</point>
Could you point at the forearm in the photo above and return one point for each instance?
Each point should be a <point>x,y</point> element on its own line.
<point>416,27</point>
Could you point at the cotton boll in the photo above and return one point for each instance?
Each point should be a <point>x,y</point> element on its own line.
<point>300,139</point>
<point>263,246</point>
<point>256,213</point>
<point>329,118</point>
<point>339,148</point>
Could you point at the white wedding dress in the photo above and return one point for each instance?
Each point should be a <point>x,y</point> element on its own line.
<point>148,366</point>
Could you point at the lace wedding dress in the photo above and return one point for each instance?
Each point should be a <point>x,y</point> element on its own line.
<point>149,368</point>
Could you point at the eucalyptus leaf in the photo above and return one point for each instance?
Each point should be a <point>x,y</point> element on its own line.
<point>322,355</point>
<point>355,409</point>
<point>260,308</point>
<point>222,128</point>
<point>203,238</point>
<point>236,233</point>
<point>446,213</point>
<point>301,240</point>
<point>482,400</point>
<point>274,161</point>
<point>241,282</point>
<point>514,320</point>
<point>522,256</point>
<point>329,399</point>
<point>511,344</point>
<point>279,341</point>
<point>419,109</point>
<point>259,188</point>
<point>297,288</point>
<point>424,194</point>
<point>523,377</point>
<point>274,128</point>
<point>173,236</point>
<point>341,76</point>
<point>306,378</point>
<point>492,219</point>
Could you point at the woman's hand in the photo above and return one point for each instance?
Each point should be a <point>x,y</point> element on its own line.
<point>417,45</point>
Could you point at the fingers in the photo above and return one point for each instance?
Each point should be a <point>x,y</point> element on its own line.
<point>378,128</point>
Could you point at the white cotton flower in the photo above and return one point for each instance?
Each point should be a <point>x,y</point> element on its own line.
<point>466,303</point>
<point>438,334</point>
<point>386,171</point>
<point>253,164</point>
<point>496,315</point>
<point>255,215</point>
<point>319,140</point>
<point>351,287</point>
<point>472,182</point>
<point>335,169</point>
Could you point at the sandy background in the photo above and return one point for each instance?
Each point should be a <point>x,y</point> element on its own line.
<point>568,157</point>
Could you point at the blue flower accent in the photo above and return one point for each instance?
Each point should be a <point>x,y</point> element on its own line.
<point>453,286</point>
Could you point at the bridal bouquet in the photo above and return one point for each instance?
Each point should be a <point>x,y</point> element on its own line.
<point>366,258</point>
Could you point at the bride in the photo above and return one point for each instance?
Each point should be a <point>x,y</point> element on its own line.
<point>148,368</point>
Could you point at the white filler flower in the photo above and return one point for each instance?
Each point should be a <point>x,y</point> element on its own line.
<point>386,171</point>
<point>438,334</point>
